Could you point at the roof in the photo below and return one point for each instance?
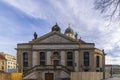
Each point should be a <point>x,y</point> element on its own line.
<point>2,57</point>
<point>34,41</point>
<point>56,31</point>
<point>56,28</point>
<point>69,30</point>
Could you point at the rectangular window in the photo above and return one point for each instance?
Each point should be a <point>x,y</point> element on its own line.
<point>97,61</point>
<point>42,58</point>
<point>86,58</point>
<point>69,59</point>
<point>25,59</point>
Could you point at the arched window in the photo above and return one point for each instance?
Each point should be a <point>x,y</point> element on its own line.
<point>25,59</point>
<point>97,61</point>
<point>69,59</point>
<point>42,58</point>
<point>86,59</point>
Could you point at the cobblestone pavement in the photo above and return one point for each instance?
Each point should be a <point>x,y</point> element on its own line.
<point>114,78</point>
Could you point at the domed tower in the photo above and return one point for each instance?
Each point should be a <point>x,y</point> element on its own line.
<point>56,28</point>
<point>69,32</point>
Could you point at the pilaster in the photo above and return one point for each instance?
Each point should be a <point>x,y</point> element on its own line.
<point>76,61</point>
<point>48,54</point>
<point>34,58</point>
<point>62,58</point>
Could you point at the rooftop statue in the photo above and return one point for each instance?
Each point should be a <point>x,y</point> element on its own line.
<point>35,35</point>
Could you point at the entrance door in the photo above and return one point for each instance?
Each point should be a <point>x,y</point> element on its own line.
<point>49,76</point>
<point>56,62</point>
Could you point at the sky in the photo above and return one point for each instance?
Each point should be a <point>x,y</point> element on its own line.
<point>19,19</point>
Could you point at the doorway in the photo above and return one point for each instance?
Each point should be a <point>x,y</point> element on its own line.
<point>49,76</point>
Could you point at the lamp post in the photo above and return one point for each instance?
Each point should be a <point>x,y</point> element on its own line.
<point>103,64</point>
<point>81,71</point>
<point>111,71</point>
<point>79,44</point>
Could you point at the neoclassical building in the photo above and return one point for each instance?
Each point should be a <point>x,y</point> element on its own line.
<point>55,55</point>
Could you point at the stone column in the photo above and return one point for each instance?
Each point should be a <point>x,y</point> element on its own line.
<point>34,58</point>
<point>76,61</point>
<point>62,58</point>
<point>48,58</point>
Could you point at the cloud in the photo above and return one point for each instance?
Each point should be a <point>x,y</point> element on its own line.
<point>112,60</point>
<point>14,24</point>
<point>27,16</point>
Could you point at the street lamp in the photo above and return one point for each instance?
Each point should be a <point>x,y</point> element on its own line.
<point>81,71</point>
<point>111,72</point>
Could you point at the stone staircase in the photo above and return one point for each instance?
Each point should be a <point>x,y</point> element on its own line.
<point>31,71</point>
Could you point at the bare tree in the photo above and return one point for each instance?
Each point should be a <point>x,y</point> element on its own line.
<point>111,8</point>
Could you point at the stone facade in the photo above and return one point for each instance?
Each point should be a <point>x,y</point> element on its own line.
<point>10,62</point>
<point>3,62</point>
<point>57,48</point>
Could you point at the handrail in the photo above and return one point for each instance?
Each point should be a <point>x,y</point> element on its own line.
<point>45,67</point>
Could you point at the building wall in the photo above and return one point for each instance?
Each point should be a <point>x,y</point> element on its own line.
<point>10,61</point>
<point>33,58</point>
<point>20,59</point>
<point>97,53</point>
<point>56,41</point>
<point>2,65</point>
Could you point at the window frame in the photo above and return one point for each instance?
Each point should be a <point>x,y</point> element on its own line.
<point>69,58</point>
<point>25,59</point>
<point>86,58</point>
<point>42,58</point>
<point>97,61</point>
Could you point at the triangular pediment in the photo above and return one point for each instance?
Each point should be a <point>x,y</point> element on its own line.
<point>54,37</point>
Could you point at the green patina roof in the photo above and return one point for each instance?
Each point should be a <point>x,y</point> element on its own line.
<point>69,30</point>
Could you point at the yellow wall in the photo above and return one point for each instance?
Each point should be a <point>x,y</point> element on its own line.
<point>16,76</point>
<point>12,76</point>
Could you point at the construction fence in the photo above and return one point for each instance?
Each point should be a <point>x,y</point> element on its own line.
<point>88,75</point>
<point>10,76</point>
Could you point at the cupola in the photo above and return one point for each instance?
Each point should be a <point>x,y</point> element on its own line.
<point>56,28</point>
<point>69,32</point>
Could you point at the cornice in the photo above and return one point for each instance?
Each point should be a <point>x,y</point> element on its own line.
<point>53,49</point>
<point>77,43</point>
